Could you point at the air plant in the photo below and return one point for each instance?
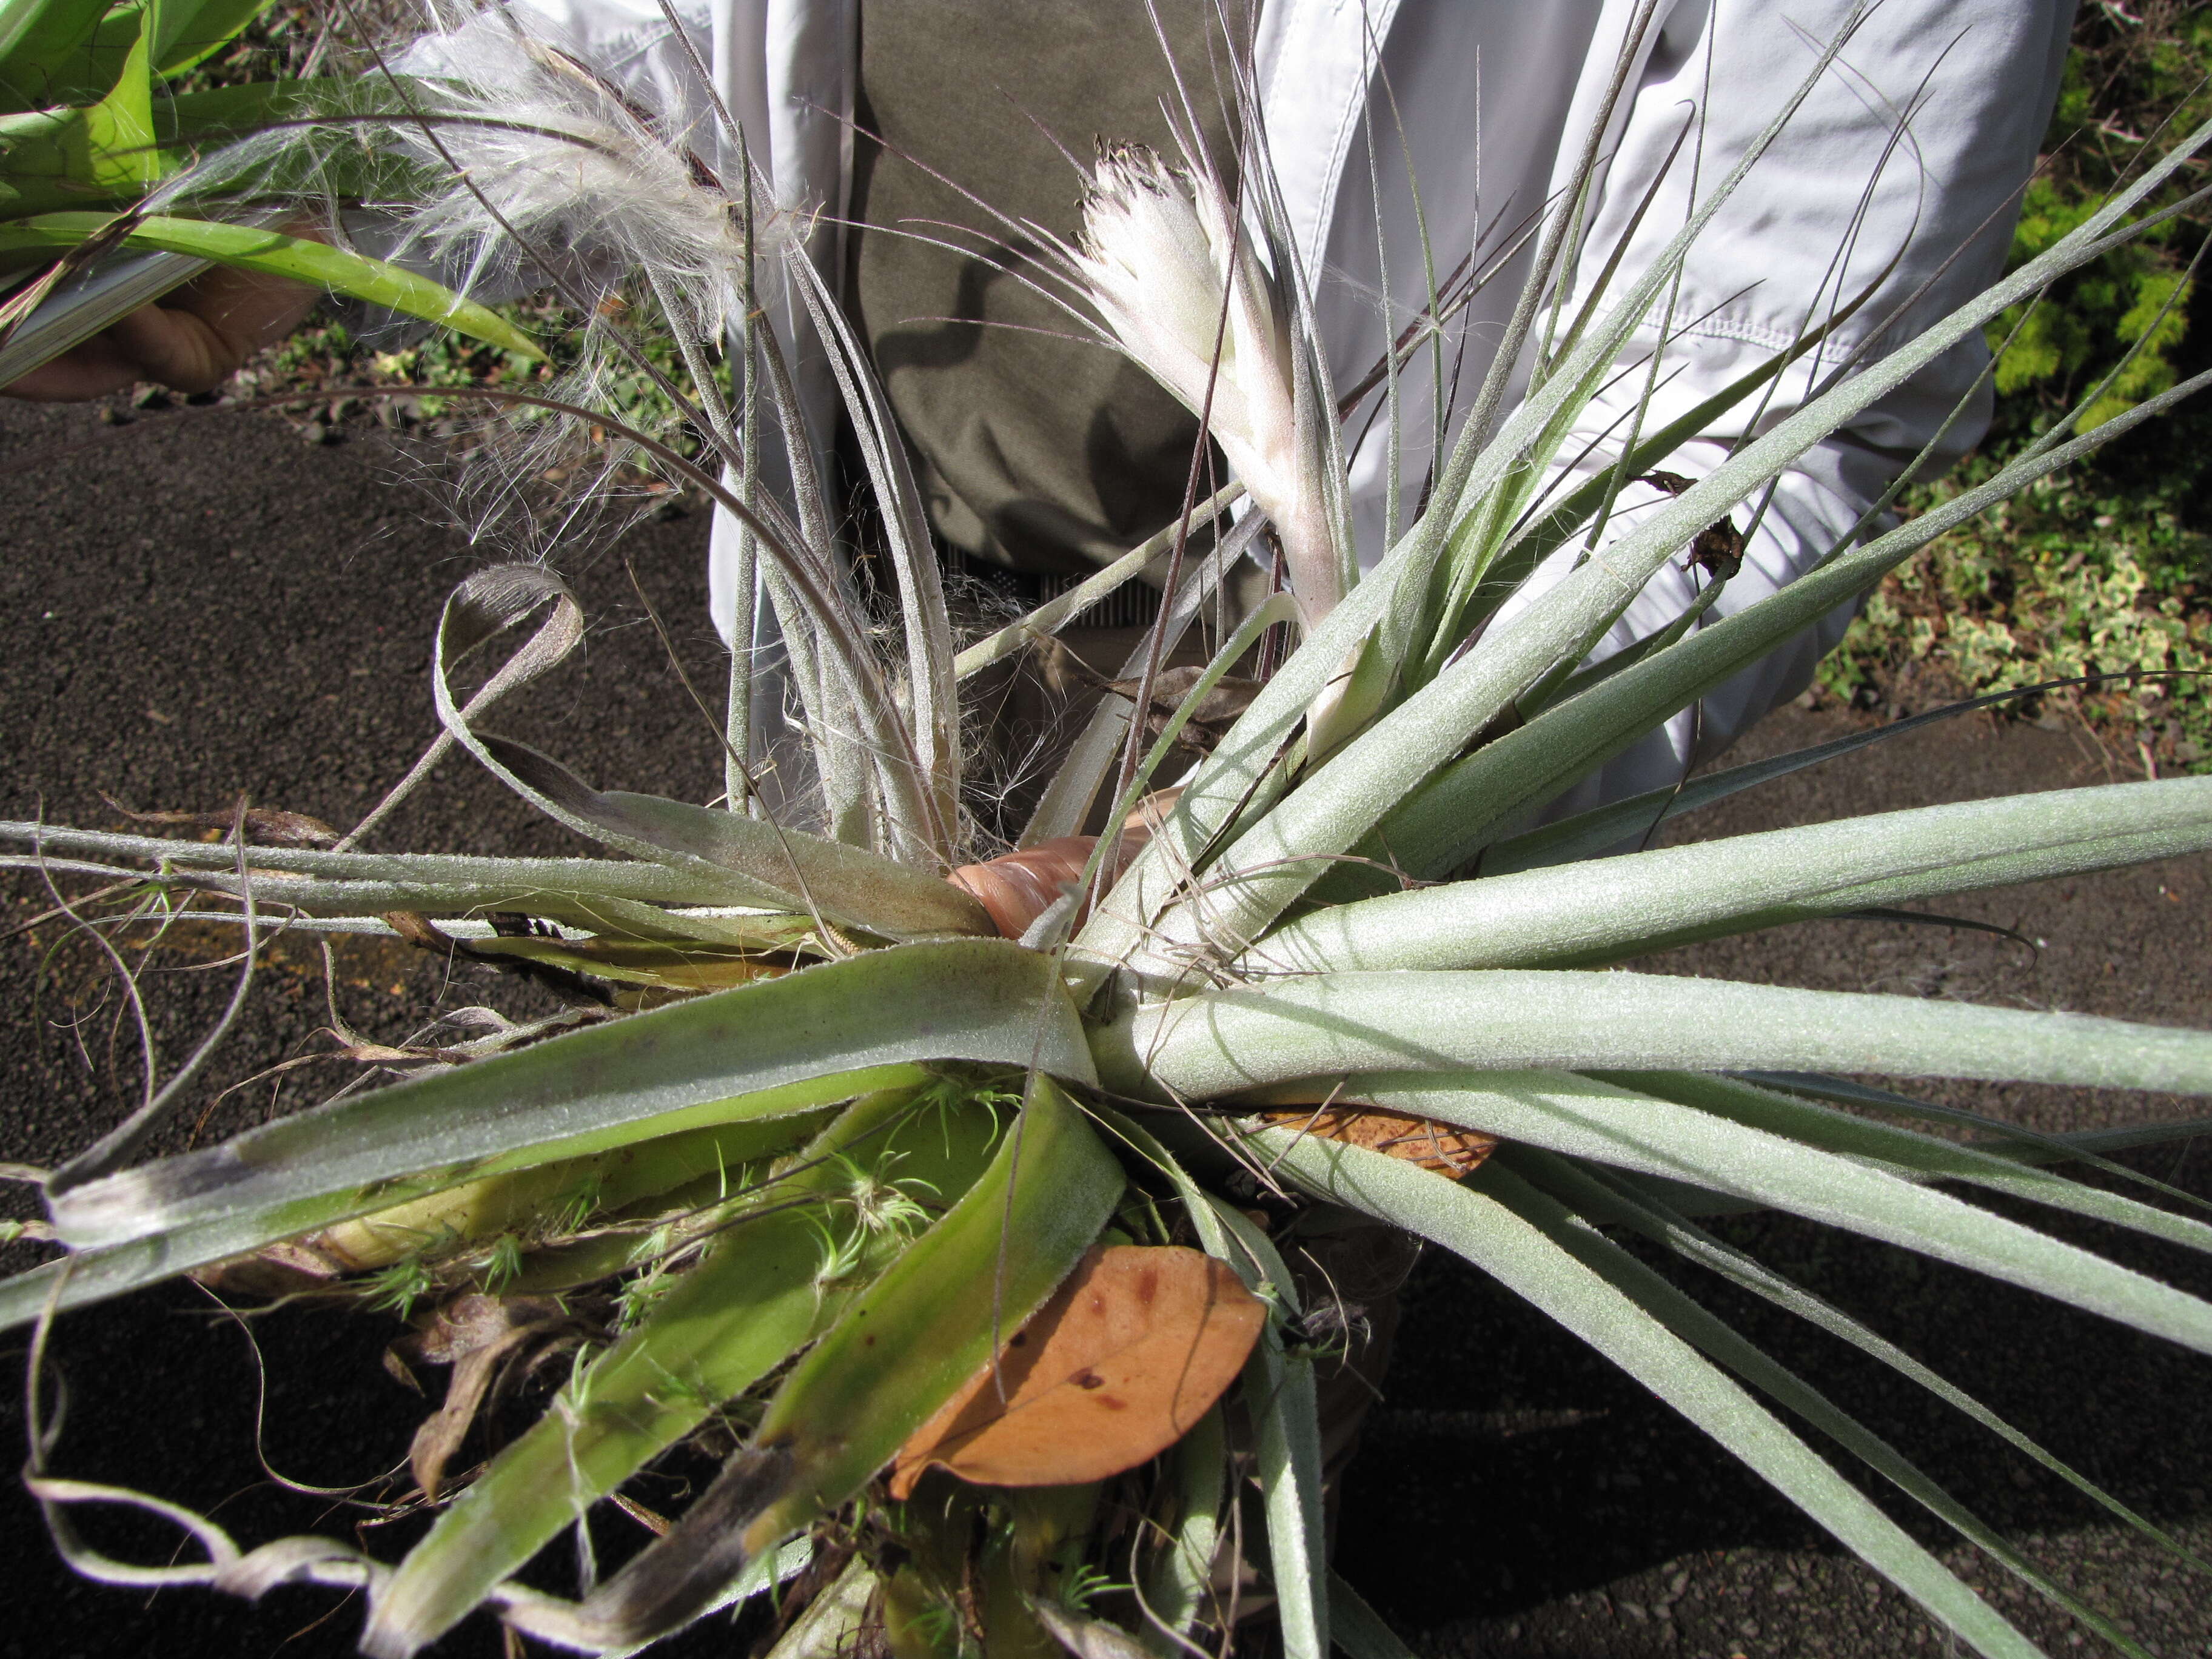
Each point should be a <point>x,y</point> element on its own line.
<point>1006,1200</point>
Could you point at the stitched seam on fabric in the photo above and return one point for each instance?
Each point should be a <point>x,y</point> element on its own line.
<point>1756,334</point>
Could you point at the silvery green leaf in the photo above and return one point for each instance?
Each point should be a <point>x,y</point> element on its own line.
<point>1611,909</point>
<point>1531,1244</point>
<point>775,1045</point>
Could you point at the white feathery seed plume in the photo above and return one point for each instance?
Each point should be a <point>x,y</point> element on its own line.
<point>541,155</point>
<point>1161,255</point>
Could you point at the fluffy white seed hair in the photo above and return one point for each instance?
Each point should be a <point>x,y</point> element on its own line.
<point>541,158</point>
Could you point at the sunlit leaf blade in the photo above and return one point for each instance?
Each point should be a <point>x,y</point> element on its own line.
<point>271,254</point>
<point>1714,1336</point>
<point>1279,1392</point>
<point>1531,1245</point>
<point>943,1307</point>
<point>759,1294</point>
<point>1438,828</point>
<point>1601,911</point>
<point>897,1354</point>
<point>584,890</point>
<point>1516,1019</point>
<point>1585,1118</point>
<point>2015,1141</point>
<point>118,130</point>
<point>1608,826</point>
<point>781,1044</point>
<point>96,1273</point>
<point>1612,1203</point>
<point>1908,1152</point>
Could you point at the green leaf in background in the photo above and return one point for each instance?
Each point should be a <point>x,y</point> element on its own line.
<point>118,130</point>
<point>191,31</point>
<point>54,53</point>
<point>273,253</point>
<point>50,52</point>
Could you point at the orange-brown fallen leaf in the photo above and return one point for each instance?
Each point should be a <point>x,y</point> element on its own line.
<point>1017,888</point>
<point>1437,1146</point>
<point>1116,1368</point>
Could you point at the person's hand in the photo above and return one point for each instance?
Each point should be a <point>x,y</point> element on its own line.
<point>192,340</point>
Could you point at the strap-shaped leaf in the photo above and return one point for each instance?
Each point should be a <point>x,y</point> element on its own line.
<point>1612,1203</point>
<point>1916,1156</point>
<point>495,883</point>
<point>757,1296</point>
<point>1223,1041</point>
<point>899,1352</point>
<point>587,893</point>
<point>1456,814</point>
<point>2015,1141</point>
<point>781,1045</point>
<point>274,254</point>
<point>1601,827</point>
<point>1357,1628</point>
<point>1586,1118</point>
<point>1723,1343</point>
<point>1531,1244</point>
<point>760,863</point>
<point>1602,911</point>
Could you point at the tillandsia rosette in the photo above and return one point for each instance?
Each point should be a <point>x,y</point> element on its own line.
<point>966,1201</point>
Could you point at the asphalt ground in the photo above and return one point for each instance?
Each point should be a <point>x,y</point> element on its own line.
<point>198,604</point>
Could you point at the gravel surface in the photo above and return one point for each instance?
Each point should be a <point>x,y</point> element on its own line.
<point>202,605</point>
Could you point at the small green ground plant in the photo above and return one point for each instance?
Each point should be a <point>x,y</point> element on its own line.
<point>954,1197</point>
<point>2108,571</point>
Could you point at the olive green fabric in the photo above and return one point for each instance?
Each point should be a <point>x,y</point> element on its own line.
<point>1044,453</point>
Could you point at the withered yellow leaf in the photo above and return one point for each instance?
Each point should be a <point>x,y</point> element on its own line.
<point>1116,1368</point>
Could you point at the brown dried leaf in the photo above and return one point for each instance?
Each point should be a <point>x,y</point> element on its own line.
<point>477,1335</point>
<point>1116,1368</point>
<point>292,1269</point>
<point>1438,1146</point>
<point>1719,546</point>
<point>266,826</point>
<point>1016,888</point>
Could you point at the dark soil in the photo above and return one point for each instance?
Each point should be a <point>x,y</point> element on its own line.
<point>201,605</point>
